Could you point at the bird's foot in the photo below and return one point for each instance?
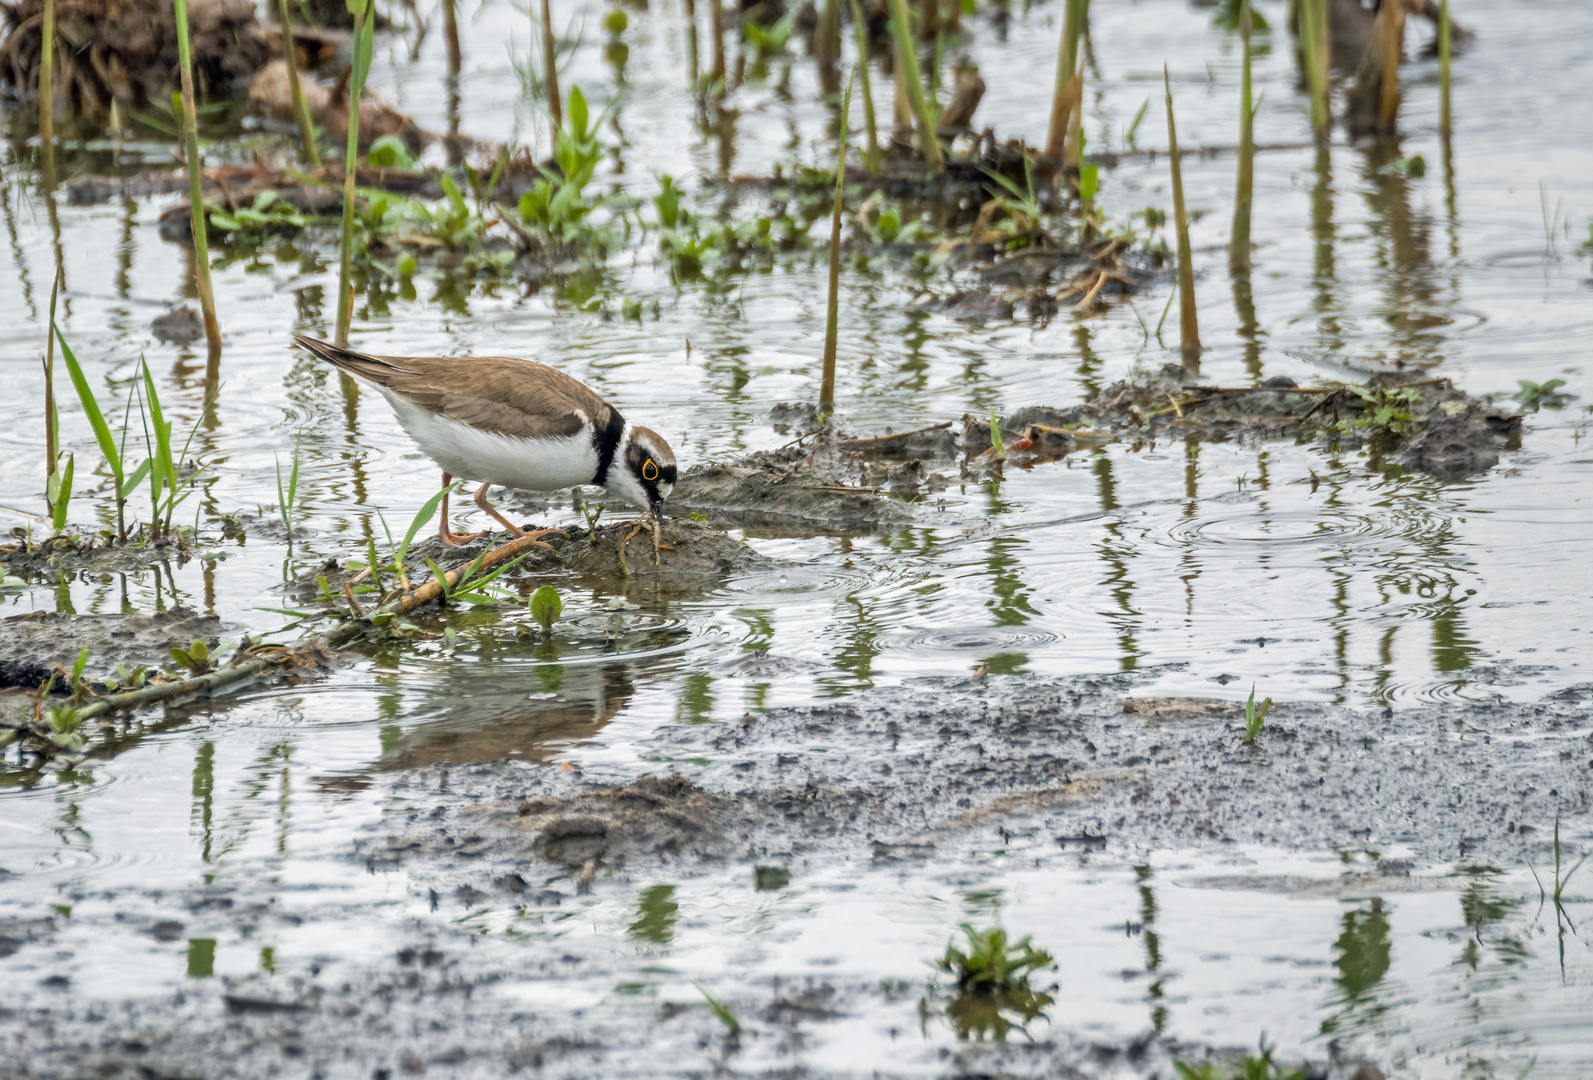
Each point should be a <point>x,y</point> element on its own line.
<point>453,539</point>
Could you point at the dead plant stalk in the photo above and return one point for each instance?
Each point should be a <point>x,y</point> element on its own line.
<point>1069,93</point>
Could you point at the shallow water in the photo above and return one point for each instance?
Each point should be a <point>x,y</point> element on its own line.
<point>1210,566</point>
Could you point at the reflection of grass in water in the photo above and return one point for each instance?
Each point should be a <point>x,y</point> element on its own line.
<point>656,915</point>
<point>1246,1068</point>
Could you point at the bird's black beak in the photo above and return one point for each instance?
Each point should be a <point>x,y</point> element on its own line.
<point>658,511</point>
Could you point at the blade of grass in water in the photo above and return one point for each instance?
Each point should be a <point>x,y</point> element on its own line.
<point>832,314</point>
<point>96,419</point>
<point>1189,330</point>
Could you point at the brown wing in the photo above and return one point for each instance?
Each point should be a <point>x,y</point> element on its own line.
<point>500,394</point>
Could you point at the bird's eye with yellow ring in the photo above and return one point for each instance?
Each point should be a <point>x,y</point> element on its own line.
<point>649,470</point>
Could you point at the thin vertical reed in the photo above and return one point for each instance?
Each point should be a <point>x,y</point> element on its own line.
<point>716,32</point>
<point>901,112</point>
<point>907,59</point>
<point>871,159</point>
<point>1189,330</point>
<point>833,302</point>
<point>827,36</point>
<point>312,154</point>
<point>364,25</point>
<point>1239,239</point>
<point>1314,46</point>
<point>52,448</point>
<point>1444,46</point>
<point>952,23</point>
<point>196,201</point>
<point>1390,28</point>
<point>550,69</point>
<point>1069,89</point>
<point>47,94</point>
<point>450,33</point>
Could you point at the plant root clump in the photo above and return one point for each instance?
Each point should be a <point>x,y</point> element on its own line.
<point>125,51</point>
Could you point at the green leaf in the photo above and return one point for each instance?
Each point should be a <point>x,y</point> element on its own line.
<point>422,516</point>
<point>546,606</point>
<point>91,409</point>
<point>128,486</point>
<point>61,495</point>
<point>389,152</point>
<point>577,112</point>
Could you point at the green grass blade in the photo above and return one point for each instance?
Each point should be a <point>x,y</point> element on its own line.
<point>91,409</point>
<point>427,511</point>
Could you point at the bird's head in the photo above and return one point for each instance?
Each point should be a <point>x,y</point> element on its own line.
<point>645,472</point>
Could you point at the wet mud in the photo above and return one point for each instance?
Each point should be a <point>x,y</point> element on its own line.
<point>888,779</point>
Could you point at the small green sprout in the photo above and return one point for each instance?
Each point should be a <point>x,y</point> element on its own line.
<point>1255,717</point>
<point>722,1012</point>
<point>993,992</point>
<point>546,606</point>
<point>63,722</point>
<point>195,658</point>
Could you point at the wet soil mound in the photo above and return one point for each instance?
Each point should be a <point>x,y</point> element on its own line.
<point>41,643</point>
<point>1424,424</point>
<point>812,489</point>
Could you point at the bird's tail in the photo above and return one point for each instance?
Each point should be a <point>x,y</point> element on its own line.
<point>374,369</point>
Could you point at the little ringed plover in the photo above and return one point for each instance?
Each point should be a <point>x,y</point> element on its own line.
<point>514,423</point>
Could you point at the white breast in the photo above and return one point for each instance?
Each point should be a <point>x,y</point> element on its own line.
<point>471,454</point>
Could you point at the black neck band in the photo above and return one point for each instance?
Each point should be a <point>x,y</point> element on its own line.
<point>607,440</point>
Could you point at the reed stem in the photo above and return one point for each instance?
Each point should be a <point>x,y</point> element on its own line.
<point>550,70</point>
<point>871,158</point>
<point>907,59</point>
<point>827,36</point>
<point>832,318</point>
<point>196,201</point>
<point>1445,44</point>
<point>1239,239</point>
<point>301,111</point>
<point>716,74</point>
<point>364,27</point>
<point>450,33</point>
<point>1188,328</point>
<point>1390,27</point>
<point>1314,46</point>
<point>52,448</point>
<point>1069,91</point>
<point>47,94</point>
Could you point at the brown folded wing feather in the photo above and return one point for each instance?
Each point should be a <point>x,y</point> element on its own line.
<point>519,398</point>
